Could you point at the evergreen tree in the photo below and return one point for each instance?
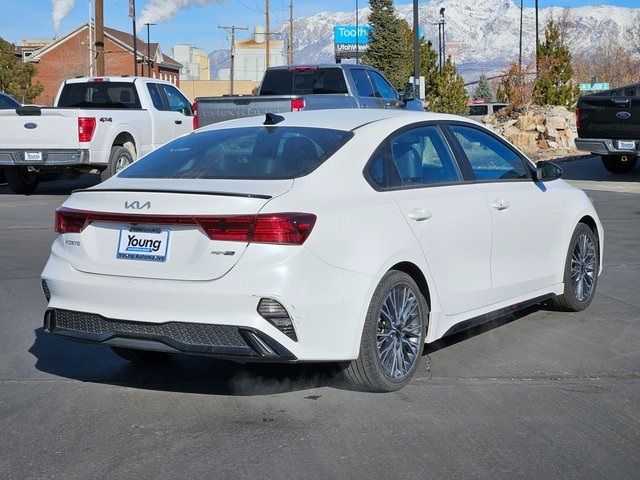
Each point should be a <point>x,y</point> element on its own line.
<point>554,85</point>
<point>388,49</point>
<point>16,76</point>
<point>448,94</point>
<point>483,90</point>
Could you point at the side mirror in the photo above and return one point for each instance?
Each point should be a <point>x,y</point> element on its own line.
<point>409,92</point>
<point>547,171</point>
<point>186,111</point>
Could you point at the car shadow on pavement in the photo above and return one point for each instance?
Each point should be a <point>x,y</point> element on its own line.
<point>57,185</point>
<point>182,373</point>
<point>591,168</point>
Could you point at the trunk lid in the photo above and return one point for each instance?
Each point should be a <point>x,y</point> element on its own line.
<point>143,211</point>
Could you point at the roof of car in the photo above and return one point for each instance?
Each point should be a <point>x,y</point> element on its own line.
<point>339,119</point>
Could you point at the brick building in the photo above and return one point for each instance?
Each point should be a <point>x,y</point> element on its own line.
<point>69,56</point>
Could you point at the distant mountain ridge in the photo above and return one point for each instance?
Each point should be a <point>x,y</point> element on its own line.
<point>486,32</point>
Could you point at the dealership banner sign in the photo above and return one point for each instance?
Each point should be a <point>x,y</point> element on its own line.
<point>347,40</point>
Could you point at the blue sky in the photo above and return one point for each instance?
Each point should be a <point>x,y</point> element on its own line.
<point>195,25</point>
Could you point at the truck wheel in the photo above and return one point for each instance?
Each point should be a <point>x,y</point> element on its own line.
<point>619,163</point>
<point>21,180</point>
<point>120,158</point>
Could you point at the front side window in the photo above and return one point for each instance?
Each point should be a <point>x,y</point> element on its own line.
<point>176,102</point>
<point>490,159</point>
<point>418,157</point>
<point>383,89</point>
<point>362,82</point>
<point>241,153</point>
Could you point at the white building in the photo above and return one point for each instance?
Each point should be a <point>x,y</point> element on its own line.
<point>251,56</point>
<point>195,62</point>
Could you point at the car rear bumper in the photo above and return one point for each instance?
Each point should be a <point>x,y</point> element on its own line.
<point>50,158</point>
<point>325,303</point>
<point>226,341</point>
<point>603,146</point>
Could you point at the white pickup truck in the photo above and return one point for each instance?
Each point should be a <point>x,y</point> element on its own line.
<point>98,125</point>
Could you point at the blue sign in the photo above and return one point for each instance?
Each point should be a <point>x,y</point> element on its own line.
<point>346,35</point>
<point>593,87</point>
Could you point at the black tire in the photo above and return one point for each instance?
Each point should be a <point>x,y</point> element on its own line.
<point>367,371</point>
<point>619,163</point>
<point>21,180</point>
<point>119,156</point>
<point>569,301</point>
<point>141,356</point>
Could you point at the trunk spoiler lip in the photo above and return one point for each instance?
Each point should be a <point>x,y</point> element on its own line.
<point>186,192</point>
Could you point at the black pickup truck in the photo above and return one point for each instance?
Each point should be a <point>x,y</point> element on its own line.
<point>609,125</point>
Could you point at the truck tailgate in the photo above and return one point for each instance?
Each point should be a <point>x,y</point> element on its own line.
<point>615,118</point>
<point>214,110</point>
<point>50,130</point>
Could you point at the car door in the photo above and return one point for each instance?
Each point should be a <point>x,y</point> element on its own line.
<point>180,108</point>
<point>450,220</point>
<point>162,119</point>
<point>364,88</point>
<point>527,226</point>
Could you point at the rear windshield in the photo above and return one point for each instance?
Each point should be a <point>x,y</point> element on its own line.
<point>241,153</point>
<point>99,95</point>
<point>305,82</point>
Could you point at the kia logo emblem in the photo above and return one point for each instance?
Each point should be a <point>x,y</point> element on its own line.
<point>30,125</point>
<point>623,115</point>
<point>136,205</point>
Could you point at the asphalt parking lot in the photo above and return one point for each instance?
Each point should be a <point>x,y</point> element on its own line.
<point>539,395</point>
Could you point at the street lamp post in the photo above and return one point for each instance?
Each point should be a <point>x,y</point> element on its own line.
<point>357,35</point>
<point>149,48</point>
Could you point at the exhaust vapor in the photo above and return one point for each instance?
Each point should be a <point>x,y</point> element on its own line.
<point>59,10</point>
<point>162,10</point>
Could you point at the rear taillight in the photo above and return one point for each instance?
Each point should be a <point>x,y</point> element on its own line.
<point>70,221</point>
<point>297,104</point>
<point>278,228</point>
<point>196,119</point>
<point>577,118</point>
<point>86,128</point>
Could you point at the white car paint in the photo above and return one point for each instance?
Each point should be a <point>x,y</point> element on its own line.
<point>475,259</point>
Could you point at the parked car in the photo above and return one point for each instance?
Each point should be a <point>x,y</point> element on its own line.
<point>344,236</point>
<point>480,109</point>
<point>98,125</point>
<point>609,125</point>
<point>6,102</point>
<point>304,87</point>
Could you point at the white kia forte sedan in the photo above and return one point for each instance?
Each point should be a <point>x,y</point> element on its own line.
<point>347,236</point>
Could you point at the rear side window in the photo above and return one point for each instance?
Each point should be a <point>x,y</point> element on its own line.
<point>241,153</point>
<point>99,95</point>
<point>490,159</point>
<point>304,82</point>
<point>155,96</point>
<point>418,157</point>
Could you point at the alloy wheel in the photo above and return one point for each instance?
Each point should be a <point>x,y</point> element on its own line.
<point>583,267</point>
<point>399,332</point>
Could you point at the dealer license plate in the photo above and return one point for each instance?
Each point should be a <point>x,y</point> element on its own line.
<point>143,243</point>
<point>32,156</point>
<point>626,145</point>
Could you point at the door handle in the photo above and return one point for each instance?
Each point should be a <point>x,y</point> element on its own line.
<point>419,214</point>
<point>500,205</point>
<point>178,122</point>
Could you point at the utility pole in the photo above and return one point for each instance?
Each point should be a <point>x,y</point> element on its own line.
<point>232,29</point>
<point>444,39</point>
<point>537,39</point>
<point>132,14</point>
<point>520,54</point>
<point>357,35</point>
<point>148,49</point>
<point>290,59</point>
<point>99,38</point>
<point>416,49</point>
<point>267,33</point>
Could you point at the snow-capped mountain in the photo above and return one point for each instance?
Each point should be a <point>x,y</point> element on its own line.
<point>483,33</point>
